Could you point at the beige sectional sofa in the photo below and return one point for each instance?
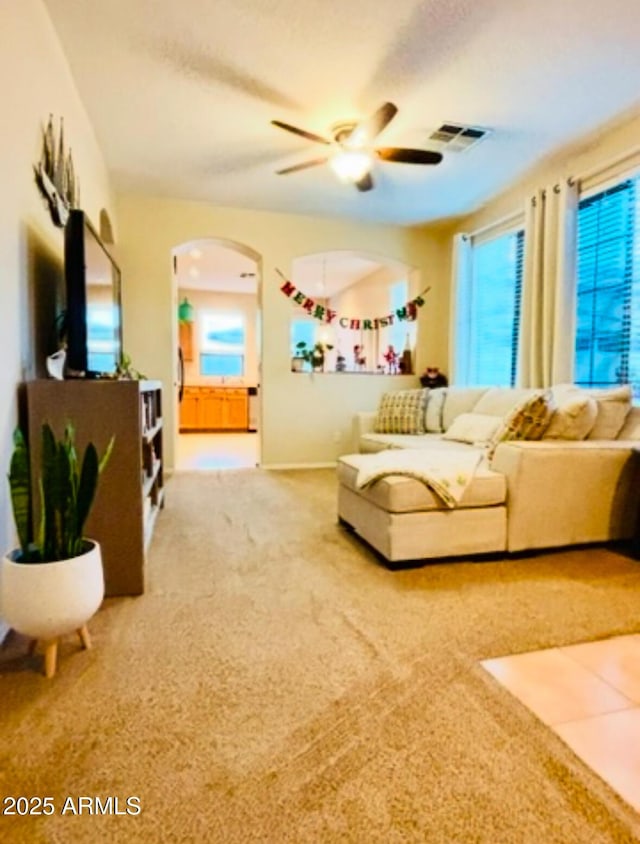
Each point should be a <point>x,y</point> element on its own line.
<point>579,483</point>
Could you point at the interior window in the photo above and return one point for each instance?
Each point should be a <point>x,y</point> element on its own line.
<point>302,331</point>
<point>222,343</point>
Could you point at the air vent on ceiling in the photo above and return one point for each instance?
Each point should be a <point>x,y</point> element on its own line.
<point>455,137</point>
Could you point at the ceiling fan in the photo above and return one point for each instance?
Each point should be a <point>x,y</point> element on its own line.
<point>353,154</point>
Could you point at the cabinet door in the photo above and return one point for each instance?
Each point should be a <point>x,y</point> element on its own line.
<point>211,410</point>
<point>190,410</point>
<point>236,410</point>
<point>185,330</point>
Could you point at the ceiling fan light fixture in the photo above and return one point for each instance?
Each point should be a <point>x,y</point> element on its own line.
<point>351,165</point>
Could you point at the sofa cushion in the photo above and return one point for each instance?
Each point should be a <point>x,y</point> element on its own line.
<point>472,428</point>
<point>370,443</point>
<point>613,406</point>
<point>528,420</point>
<point>435,405</point>
<point>397,494</point>
<point>574,415</point>
<point>631,428</point>
<point>401,412</point>
<point>460,400</point>
<point>614,403</point>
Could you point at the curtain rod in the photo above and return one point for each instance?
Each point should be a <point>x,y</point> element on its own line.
<point>496,223</point>
<point>606,165</point>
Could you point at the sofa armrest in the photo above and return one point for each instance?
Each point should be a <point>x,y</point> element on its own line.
<point>567,493</point>
<point>363,423</point>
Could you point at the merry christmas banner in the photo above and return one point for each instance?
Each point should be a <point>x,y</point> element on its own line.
<point>407,313</point>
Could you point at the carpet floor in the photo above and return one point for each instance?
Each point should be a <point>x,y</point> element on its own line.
<point>277,684</point>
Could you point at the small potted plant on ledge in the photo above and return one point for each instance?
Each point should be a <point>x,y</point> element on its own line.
<point>54,583</point>
<point>314,355</point>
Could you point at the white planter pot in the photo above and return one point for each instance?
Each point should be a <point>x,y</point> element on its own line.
<point>47,600</point>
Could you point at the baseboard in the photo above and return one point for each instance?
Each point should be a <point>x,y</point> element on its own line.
<point>279,466</point>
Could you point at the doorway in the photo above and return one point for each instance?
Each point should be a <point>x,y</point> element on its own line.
<point>216,285</point>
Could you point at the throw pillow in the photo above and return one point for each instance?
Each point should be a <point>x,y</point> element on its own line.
<point>613,406</point>
<point>528,420</point>
<point>472,428</point>
<point>461,400</point>
<point>499,401</point>
<point>573,418</point>
<point>631,428</point>
<point>435,406</point>
<point>401,412</point>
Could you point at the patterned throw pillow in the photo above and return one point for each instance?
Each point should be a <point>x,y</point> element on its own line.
<point>401,412</point>
<point>528,420</point>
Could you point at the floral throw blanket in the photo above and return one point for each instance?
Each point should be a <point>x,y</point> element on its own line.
<point>447,473</point>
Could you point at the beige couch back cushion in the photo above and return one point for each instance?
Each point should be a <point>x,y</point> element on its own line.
<point>631,428</point>
<point>459,400</point>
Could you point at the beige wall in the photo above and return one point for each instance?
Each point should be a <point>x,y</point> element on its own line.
<point>36,82</point>
<point>588,153</point>
<point>304,419</point>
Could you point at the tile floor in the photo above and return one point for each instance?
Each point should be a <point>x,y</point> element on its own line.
<point>217,451</point>
<point>589,694</point>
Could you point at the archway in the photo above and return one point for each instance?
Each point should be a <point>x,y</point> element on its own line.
<point>217,308</point>
<point>365,291</point>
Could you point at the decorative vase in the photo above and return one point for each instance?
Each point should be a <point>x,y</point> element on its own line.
<point>47,600</point>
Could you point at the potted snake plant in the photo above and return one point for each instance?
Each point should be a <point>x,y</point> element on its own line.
<point>53,583</point>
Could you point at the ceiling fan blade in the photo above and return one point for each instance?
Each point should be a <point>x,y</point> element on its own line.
<point>310,136</point>
<point>302,166</point>
<point>365,183</point>
<point>371,126</point>
<point>409,156</point>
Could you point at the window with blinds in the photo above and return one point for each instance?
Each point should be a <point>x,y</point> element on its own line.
<point>493,319</point>
<point>608,288</point>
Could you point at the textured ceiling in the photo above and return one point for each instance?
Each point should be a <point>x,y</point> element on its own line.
<point>181,94</point>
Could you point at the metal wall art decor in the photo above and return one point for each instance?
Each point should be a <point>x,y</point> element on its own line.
<point>55,175</point>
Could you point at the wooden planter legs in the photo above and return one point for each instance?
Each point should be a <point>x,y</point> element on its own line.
<point>51,650</point>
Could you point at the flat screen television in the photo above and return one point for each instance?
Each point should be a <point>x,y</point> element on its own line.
<point>93,323</point>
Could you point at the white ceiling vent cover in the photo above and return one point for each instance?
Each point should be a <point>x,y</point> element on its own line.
<point>456,137</point>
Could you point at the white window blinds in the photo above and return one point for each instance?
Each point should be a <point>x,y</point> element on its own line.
<point>493,303</point>
<point>608,290</point>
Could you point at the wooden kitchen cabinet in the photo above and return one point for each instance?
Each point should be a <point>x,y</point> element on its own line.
<point>185,339</point>
<point>211,409</point>
<point>235,413</point>
<point>190,409</point>
<point>214,409</point>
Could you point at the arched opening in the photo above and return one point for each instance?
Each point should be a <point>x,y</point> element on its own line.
<point>357,313</point>
<point>106,229</point>
<point>217,309</point>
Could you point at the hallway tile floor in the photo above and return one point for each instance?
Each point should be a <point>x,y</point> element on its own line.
<point>589,695</point>
<point>217,451</point>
